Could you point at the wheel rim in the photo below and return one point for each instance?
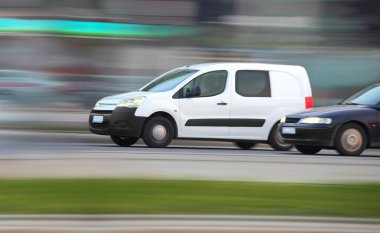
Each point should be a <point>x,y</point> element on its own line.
<point>278,138</point>
<point>159,132</point>
<point>352,140</point>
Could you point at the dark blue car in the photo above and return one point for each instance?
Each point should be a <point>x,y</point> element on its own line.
<point>349,127</point>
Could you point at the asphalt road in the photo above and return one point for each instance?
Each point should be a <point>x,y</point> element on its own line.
<point>36,155</point>
<point>61,155</point>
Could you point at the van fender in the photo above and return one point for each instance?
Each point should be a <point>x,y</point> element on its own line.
<point>162,108</point>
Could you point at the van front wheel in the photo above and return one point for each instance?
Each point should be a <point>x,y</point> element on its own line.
<point>158,132</point>
<point>276,141</point>
<point>124,141</point>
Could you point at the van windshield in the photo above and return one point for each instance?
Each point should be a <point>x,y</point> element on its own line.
<point>169,80</point>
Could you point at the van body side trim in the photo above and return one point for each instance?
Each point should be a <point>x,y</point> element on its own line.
<point>226,122</point>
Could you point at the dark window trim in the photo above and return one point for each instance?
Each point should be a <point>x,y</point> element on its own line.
<point>179,93</point>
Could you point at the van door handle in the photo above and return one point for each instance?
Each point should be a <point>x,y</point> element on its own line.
<point>222,103</point>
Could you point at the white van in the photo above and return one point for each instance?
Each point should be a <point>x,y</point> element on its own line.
<point>238,102</point>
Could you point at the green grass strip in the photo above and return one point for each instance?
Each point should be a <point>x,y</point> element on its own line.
<point>123,196</point>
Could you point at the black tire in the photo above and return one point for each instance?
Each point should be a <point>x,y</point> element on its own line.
<point>275,140</point>
<point>124,141</point>
<point>351,140</point>
<point>158,132</point>
<point>308,150</point>
<point>245,145</point>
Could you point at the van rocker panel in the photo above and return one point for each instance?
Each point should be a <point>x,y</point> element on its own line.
<point>121,122</point>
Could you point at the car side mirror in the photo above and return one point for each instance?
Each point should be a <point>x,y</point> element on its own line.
<point>194,92</point>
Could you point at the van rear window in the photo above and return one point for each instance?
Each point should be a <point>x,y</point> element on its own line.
<point>252,83</point>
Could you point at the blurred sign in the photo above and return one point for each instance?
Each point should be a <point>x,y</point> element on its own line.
<point>90,28</point>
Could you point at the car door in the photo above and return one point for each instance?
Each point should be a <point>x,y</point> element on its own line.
<point>251,104</point>
<point>204,106</point>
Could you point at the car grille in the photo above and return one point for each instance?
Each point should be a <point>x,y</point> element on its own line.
<point>103,126</point>
<point>292,120</point>
<point>102,112</point>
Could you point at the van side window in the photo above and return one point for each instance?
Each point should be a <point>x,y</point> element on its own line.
<point>211,83</point>
<point>252,83</point>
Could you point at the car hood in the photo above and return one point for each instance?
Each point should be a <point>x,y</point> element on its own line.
<point>329,110</point>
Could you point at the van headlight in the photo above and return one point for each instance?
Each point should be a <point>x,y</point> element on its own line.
<point>132,103</point>
<point>316,120</point>
<point>283,119</point>
<point>98,103</point>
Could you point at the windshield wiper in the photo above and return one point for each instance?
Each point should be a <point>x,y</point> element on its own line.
<point>350,103</point>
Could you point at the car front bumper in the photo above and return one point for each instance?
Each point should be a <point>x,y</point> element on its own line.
<point>313,135</point>
<point>119,122</point>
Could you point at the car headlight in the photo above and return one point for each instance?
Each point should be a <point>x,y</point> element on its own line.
<point>283,119</point>
<point>316,120</point>
<point>131,103</point>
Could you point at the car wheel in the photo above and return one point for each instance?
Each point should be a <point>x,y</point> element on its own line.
<point>308,150</point>
<point>276,141</point>
<point>158,132</point>
<point>124,141</point>
<point>351,140</point>
<point>245,145</point>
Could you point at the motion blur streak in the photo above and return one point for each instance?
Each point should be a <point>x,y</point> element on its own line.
<point>58,57</point>
<point>68,42</point>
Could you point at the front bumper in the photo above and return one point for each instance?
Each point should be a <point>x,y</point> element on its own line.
<point>119,122</point>
<point>313,135</point>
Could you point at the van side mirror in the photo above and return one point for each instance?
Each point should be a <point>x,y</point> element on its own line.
<point>194,92</point>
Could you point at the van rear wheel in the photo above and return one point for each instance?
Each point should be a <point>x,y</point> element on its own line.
<point>158,132</point>
<point>124,141</point>
<point>308,150</point>
<point>276,141</point>
<point>245,145</point>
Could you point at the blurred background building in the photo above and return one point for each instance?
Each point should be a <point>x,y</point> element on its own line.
<point>70,53</point>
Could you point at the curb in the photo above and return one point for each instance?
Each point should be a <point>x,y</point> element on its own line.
<point>149,217</point>
<point>184,224</point>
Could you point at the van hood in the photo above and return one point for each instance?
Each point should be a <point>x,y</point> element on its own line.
<point>115,99</point>
<point>110,102</point>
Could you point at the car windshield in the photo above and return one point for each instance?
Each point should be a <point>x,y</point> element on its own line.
<point>169,80</point>
<point>368,96</point>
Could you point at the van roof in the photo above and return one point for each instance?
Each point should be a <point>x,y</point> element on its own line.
<point>246,65</point>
